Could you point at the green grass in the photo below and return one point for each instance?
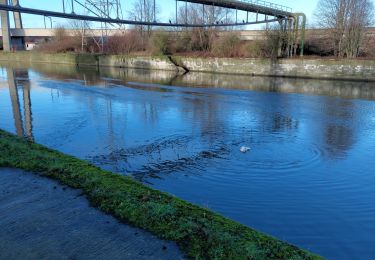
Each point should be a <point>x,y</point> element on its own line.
<point>199,232</point>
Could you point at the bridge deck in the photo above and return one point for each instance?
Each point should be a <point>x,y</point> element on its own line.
<point>253,6</point>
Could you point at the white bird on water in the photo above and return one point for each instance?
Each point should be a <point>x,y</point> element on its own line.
<point>244,149</point>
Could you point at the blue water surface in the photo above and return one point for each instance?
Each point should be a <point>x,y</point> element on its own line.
<point>308,179</point>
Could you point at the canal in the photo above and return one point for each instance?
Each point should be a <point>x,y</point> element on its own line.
<point>308,178</point>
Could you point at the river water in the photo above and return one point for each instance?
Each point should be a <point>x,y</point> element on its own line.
<point>309,177</point>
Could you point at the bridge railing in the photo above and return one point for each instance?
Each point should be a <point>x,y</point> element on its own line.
<point>267,4</point>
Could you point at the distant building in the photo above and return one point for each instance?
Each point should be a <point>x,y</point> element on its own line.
<point>30,45</point>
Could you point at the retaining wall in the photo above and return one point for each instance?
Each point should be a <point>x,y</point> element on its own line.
<point>360,70</point>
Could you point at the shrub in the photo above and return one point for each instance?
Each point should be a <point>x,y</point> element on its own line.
<point>368,47</point>
<point>227,46</point>
<point>61,42</point>
<point>253,49</point>
<point>60,34</point>
<point>318,42</point>
<point>160,44</point>
<point>182,42</point>
<point>202,39</point>
<point>125,43</point>
<point>67,44</point>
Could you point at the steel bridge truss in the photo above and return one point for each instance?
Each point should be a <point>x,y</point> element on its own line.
<point>109,12</point>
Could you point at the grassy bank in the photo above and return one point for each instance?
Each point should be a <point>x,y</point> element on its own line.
<point>199,232</point>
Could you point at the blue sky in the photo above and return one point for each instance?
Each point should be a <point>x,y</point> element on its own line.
<point>166,9</point>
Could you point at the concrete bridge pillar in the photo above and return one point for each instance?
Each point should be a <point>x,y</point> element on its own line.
<point>13,91</point>
<point>5,27</point>
<point>17,16</point>
<point>19,42</point>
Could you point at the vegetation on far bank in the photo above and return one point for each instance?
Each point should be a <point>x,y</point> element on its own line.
<point>343,31</point>
<point>198,231</point>
<point>206,43</point>
<point>196,42</point>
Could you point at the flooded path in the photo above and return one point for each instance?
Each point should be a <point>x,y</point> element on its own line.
<point>41,219</point>
<point>307,179</point>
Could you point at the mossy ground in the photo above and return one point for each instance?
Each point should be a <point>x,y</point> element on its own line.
<point>200,233</point>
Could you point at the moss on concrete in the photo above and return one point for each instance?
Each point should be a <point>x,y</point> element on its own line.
<point>199,232</point>
<point>37,57</point>
<point>333,69</point>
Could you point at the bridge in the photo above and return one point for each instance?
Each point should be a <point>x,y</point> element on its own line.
<point>42,33</point>
<point>109,12</point>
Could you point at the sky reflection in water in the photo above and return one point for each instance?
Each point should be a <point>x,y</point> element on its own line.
<point>308,178</point>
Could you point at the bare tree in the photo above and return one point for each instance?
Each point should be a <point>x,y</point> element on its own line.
<point>201,38</point>
<point>60,33</point>
<point>347,19</point>
<point>90,41</point>
<point>276,42</point>
<point>146,11</point>
<point>208,14</point>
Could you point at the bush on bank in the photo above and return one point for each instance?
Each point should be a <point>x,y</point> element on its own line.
<point>208,42</point>
<point>199,232</point>
<point>202,42</point>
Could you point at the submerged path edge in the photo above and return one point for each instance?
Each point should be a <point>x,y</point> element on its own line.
<point>199,232</point>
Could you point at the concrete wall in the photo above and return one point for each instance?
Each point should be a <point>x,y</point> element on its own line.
<point>119,61</point>
<point>360,70</point>
<point>96,76</point>
<point>304,68</point>
<point>122,61</point>
<point>39,57</point>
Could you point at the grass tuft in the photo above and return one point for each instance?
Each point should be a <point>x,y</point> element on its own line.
<point>200,233</point>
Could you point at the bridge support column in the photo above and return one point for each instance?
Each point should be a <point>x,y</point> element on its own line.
<point>280,39</point>
<point>299,26</point>
<point>283,38</point>
<point>290,37</point>
<point>13,91</point>
<point>303,32</point>
<point>17,16</point>
<point>27,107</point>
<point>19,42</point>
<point>5,28</point>
<point>296,36</point>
